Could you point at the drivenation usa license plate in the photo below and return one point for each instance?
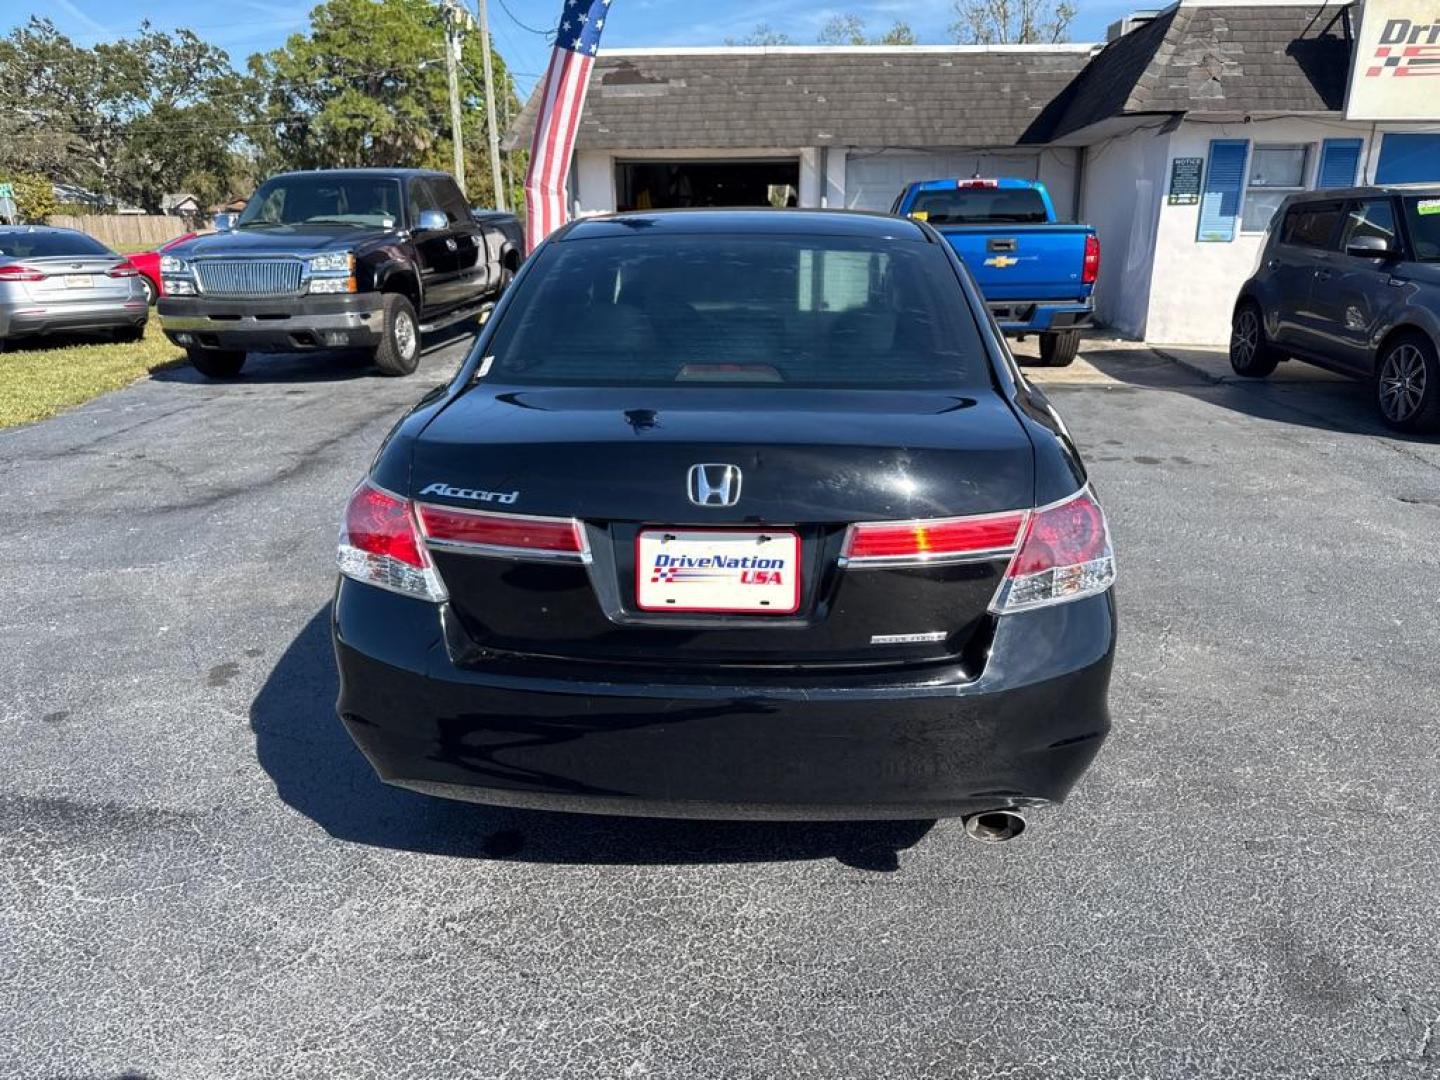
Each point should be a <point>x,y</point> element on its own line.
<point>718,570</point>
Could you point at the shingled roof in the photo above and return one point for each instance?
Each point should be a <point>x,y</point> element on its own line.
<point>1261,58</point>
<point>797,97</point>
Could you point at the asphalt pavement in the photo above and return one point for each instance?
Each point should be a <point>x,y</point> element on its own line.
<point>200,877</point>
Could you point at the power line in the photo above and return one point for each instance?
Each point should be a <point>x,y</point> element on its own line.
<point>548,34</point>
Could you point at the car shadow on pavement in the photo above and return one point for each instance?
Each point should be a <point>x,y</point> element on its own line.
<point>313,366</point>
<point>318,771</point>
<point>1297,394</point>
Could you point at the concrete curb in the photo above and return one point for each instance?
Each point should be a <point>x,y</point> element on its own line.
<point>1193,368</point>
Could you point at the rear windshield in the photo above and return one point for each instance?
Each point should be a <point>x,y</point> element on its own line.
<point>36,245</point>
<point>1423,217</point>
<point>966,206</point>
<point>368,201</point>
<point>781,311</point>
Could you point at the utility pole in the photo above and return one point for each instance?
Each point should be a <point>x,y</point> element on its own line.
<point>453,14</point>
<point>490,108</point>
<point>509,158</point>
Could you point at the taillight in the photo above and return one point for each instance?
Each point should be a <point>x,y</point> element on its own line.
<point>977,182</point>
<point>1091,271</point>
<point>1064,555</point>
<point>380,545</point>
<point>125,269</point>
<point>900,542</point>
<point>20,272</point>
<point>516,535</point>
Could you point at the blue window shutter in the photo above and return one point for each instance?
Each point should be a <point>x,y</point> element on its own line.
<point>1339,161</point>
<point>1224,184</point>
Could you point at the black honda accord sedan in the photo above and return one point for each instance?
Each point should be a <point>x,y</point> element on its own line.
<point>734,514</point>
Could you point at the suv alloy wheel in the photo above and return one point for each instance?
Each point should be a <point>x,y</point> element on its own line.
<point>1407,385</point>
<point>1251,354</point>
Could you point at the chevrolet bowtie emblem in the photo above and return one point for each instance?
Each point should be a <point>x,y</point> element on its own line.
<point>1001,261</point>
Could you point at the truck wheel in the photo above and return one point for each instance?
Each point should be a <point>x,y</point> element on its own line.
<point>1407,385</point>
<point>217,363</point>
<point>148,288</point>
<point>1058,349</point>
<point>399,350</point>
<point>1251,353</point>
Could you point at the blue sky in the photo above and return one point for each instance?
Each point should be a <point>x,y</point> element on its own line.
<point>245,26</point>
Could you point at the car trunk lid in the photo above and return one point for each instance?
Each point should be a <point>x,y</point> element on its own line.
<point>75,277</point>
<point>812,463</point>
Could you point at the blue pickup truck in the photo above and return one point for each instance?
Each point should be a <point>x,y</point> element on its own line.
<point>1037,274</point>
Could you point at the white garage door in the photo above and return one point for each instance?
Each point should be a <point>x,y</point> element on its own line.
<point>872,180</point>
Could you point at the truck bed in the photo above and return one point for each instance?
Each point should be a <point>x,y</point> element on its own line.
<point>1023,262</point>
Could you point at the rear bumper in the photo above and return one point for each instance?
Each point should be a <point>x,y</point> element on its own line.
<point>279,325</point>
<point>27,319</point>
<point>1040,316</point>
<point>921,743</point>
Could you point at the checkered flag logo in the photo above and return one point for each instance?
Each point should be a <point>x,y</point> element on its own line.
<point>1406,61</point>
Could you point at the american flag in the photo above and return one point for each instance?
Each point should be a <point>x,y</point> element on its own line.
<point>562,98</point>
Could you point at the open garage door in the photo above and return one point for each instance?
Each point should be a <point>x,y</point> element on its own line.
<point>666,185</point>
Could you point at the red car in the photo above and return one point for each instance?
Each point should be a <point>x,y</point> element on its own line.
<point>148,263</point>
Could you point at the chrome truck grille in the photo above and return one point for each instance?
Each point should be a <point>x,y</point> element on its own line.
<point>249,277</point>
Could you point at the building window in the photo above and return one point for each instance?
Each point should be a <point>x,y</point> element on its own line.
<point>1408,159</point>
<point>1275,171</point>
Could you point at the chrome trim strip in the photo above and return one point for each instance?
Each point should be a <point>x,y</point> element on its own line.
<point>890,562</point>
<point>500,551</point>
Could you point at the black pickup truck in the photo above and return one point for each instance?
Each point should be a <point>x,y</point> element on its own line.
<point>337,259</point>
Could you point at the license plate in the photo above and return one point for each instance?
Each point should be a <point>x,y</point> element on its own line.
<point>79,281</point>
<point>718,571</point>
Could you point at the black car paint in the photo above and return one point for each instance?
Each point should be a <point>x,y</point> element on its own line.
<point>397,259</point>
<point>587,704</point>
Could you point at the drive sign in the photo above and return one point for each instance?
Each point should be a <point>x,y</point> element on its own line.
<point>1395,69</point>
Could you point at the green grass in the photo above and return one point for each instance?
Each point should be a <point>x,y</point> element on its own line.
<point>41,376</point>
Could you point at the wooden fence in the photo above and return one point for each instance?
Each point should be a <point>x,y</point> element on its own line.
<point>126,232</point>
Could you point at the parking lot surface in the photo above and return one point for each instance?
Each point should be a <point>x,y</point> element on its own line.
<point>200,877</point>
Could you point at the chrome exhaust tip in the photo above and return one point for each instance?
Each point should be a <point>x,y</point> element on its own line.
<point>994,826</point>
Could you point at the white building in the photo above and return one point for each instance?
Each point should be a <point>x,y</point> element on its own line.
<point>1176,139</point>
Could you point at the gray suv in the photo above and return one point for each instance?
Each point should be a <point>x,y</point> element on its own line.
<point>1350,280</point>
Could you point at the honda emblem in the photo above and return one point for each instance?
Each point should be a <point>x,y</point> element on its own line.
<point>714,485</point>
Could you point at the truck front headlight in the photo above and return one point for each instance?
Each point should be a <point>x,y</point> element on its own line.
<point>170,264</point>
<point>334,262</point>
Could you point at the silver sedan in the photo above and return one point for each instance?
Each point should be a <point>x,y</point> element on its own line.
<point>58,280</point>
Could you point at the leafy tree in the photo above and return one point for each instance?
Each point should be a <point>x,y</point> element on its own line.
<point>185,102</point>
<point>1011,22</point>
<point>34,195</point>
<point>850,30</point>
<point>843,30</point>
<point>899,34</point>
<point>366,86</point>
<point>53,119</point>
<point>763,34</point>
<point>132,118</point>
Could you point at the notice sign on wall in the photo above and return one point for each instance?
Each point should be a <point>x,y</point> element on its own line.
<point>1185,180</point>
<point>1395,70</point>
